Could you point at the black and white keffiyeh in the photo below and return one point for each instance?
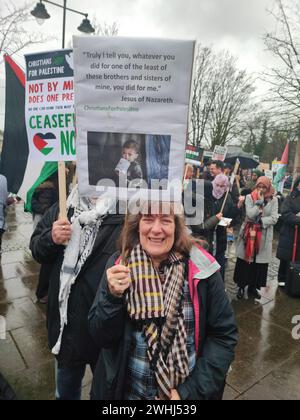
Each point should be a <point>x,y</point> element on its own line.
<point>86,220</point>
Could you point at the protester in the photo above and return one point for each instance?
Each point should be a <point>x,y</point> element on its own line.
<point>44,196</point>
<point>206,172</point>
<point>254,245</point>
<point>207,228</point>
<point>91,232</point>
<point>221,185</point>
<point>251,183</point>
<point>290,215</point>
<point>228,169</point>
<point>189,171</point>
<point>157,340</point>
<point>3,203</point>
<point>216,168</point>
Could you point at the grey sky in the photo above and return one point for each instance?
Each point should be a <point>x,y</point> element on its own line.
<point>236,25</point>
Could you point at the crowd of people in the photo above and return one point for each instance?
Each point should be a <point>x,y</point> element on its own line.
<point>141,299</point>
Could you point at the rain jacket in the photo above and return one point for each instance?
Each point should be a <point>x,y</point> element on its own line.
<point>215,334</point>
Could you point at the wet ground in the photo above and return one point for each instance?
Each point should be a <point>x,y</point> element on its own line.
<point>267,364</point>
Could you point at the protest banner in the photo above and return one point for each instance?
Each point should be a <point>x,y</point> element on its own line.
<point>264,167</point>
<point>49,106</point>
<point>49,112</point>
<point>194,155</point>
<point>269,174</point>
<point>219,153</point>
<point>132,103</point>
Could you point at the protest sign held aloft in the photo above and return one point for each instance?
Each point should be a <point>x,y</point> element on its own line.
<point>132,102</point>
<point>50,106</point>
<point>220,153</point>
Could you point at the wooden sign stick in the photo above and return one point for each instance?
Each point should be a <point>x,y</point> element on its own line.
<point>62,190</point>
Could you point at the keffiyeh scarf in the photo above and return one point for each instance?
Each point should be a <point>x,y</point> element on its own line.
<point>86,220</point>
<point>159,305</point>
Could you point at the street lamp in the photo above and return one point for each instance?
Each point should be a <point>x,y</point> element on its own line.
<point>41,14</point>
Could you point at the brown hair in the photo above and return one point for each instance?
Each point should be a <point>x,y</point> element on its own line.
<point>131,144</point>
<point>183,241</point>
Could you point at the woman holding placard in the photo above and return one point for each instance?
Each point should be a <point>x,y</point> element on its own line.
<point>161,316</point>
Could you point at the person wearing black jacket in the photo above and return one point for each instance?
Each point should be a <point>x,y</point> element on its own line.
<point>230,210</point>
<point>290,217</point>
<point>75,273</point>
<point>210,219</point>
<point>135,331</point>
<point>44,196</point>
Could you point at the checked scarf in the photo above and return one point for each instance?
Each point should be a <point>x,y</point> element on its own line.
<point>160,307</point>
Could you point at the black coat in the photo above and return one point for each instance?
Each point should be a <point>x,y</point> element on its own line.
<point>112,330</point>
<point>230,211</point>
<point>77,347</point>
<point>43,199</point>
<point>289,209</point>
<point>207,228</point>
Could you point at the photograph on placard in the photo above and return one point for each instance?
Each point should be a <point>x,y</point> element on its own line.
<point>135,158</point>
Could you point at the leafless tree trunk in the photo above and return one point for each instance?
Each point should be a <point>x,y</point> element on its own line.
<point>221,99</point>
<point>14,36</point>
<point>284,43</point>
<point>105,29</point>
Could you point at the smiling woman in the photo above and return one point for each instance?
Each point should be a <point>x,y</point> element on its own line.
<point>146,315</point>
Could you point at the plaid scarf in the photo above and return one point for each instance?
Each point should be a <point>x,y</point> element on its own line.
<point>160,306</point>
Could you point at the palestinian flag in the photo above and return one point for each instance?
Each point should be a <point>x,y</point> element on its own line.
<point>279,178</point>
<point>23,175</point>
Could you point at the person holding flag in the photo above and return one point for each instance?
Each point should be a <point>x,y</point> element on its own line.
<point>278,182</point>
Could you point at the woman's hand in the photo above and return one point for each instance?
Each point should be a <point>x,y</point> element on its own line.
<point>118,280</point>
<point>219,216</point>
<point>241,201</point>
<point>61,231</point>
<point>174,395</point>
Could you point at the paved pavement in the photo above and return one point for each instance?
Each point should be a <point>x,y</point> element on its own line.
<point>267,364</point>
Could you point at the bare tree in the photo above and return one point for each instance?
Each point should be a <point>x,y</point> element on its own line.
<point>14,36</point>
<point>105,29</point>
<point>284,79</point>
<point>221,99</point>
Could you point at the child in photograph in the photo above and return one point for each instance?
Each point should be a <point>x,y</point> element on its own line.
<point>129,165</point>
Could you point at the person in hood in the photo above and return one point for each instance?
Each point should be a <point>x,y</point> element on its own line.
<point>161,316</point>
<point>290,216</point>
